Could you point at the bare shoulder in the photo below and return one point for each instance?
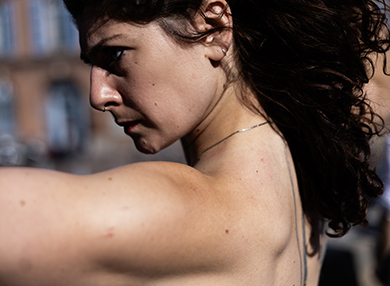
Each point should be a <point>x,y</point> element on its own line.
<point>137,181</point>
<point>153,207</point>
<point>138,223</point>
<point>141,218</point>
<point>149,174</point>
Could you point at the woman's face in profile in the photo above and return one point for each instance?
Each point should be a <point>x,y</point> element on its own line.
<point>156,89</point>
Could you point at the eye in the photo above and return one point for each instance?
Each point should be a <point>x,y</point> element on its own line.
<point>105,57</point>
<point>115,54</point>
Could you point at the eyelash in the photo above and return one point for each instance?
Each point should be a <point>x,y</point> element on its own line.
<point>114,53</point>
<point>108,56</point>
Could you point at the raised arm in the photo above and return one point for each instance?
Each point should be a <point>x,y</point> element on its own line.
<point>118,226</point>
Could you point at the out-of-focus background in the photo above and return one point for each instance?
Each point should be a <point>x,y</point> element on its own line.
<point>45,117</point>
<point>46,121</point>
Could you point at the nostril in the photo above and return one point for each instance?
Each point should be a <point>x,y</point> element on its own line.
<point>103,90</point>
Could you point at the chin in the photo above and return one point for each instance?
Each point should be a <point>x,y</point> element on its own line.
<point>146,147</point>
<point>150,146</point>
<point>146,150</point>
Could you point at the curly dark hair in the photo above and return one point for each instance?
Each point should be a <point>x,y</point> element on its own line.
<point>307,62</point>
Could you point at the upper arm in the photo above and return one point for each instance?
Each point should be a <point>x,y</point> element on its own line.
<point>37,224</point>
<point>134,218</point>
<point>151,221</point>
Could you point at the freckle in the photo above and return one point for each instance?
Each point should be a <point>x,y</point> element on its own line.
<point>136,63</point>
<point>110,233</point>
<point>257,171</point>
<point>227,231</point>
<point>22,203</point>
<point>110,179</point>
<point>154,84</point>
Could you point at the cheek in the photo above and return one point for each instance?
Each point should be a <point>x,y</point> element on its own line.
<point>173,90</point>
<point>170,91</point>
<point>181,107</point>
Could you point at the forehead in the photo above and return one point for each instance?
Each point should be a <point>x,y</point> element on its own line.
<point>101,33</point>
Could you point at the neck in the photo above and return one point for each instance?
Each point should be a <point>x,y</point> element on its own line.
<point>227,137</point>
<point>228,120</point>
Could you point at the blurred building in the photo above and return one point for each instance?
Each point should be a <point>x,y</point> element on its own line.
<point>45,118</point>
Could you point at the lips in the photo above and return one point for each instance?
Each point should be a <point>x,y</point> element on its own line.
<point>128,126</point>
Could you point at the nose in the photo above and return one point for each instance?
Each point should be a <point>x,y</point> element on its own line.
<point>103,93</point>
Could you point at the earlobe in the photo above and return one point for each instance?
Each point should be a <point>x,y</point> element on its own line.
<point>217,19</point>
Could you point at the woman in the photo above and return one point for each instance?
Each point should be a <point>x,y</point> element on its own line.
<point>267,100</point>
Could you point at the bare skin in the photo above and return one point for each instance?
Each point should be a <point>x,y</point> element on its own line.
<point>158,223</point>
<point>234,218</point>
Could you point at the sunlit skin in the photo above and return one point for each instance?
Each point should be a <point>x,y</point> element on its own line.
<point>132,75</point>
<point>234,218</point>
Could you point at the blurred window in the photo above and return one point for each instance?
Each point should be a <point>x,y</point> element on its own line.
<point>67,119</point>
<point>7,119</point>
<point>7,29</point>
<point>52,29</point>
<point>68,34</point>
<point>42,32</point>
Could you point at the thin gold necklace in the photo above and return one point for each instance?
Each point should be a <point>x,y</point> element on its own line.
<point>227,137</point>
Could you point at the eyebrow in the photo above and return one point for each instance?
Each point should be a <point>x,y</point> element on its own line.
<point>98,46</point>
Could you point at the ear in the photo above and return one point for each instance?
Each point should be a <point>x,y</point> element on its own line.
<point>216,16</point>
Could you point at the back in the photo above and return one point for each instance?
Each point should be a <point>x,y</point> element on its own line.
<point>233,220</point>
